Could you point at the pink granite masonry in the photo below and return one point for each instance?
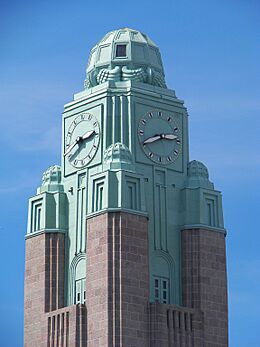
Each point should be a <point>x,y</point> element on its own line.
<point>66,327</point>
<point>44,283</point>
<point>175,326</point>
<point>117,280</point>
<point>204,281</point>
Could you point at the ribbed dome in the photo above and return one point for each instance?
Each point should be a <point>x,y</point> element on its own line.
<point>52,175</point>
<point>198,169</point>
<point>125,54</point>
<point>198,175</point>
<point>51,180</point>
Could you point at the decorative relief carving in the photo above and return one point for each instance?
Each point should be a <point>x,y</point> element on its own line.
<point>158,79</point>
<point>118,73</point>
<point>105,75</point>
<point>139,75</point>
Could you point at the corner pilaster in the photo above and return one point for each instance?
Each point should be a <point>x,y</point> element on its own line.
<point>204,281</point>
<point>44,283</point>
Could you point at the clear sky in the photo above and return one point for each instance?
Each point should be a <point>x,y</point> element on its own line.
<point>211,55</point>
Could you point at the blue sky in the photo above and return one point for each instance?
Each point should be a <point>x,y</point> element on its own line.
<point>211,56</point>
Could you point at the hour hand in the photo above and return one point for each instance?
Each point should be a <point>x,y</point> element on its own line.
<point>152,139</point>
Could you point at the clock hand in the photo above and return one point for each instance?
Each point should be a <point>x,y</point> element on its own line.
<point>88,134</point>
<point>169,136</point>
<point>71,147</point>
<point>152,139</point>
<point>160,137</point>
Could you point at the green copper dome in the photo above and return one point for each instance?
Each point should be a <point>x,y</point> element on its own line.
<point>125,54</point>
<point>198,169</point>
<point>198,175</point>
<point>51,180</point>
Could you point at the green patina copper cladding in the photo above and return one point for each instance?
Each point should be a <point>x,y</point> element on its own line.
<point>116,171</point>
<point>48,210</point>
<point>124,55</point>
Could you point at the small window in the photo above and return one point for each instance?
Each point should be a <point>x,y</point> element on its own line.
<point>80,291</point>
<point>161,290</point>
<point>120,51</point>
<point>164,284</point>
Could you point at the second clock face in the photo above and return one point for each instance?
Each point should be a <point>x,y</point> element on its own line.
<point>82,139</point>
<point>159,137</point>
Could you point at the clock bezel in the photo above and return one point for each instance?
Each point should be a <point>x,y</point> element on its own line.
<point>172,156</point>
<point>83,116</point>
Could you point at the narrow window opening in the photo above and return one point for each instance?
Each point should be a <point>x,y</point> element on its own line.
<point>101,198</point>
<point>209,214</point>
<point>168,319</point>
<point>130,193</point>
<point>39,219</point>
<point>186,321</point>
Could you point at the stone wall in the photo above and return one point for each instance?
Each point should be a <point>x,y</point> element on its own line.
<point>117,280</point>
<point>44,283</point>
<point>204,281</point>
<point>117,288</point>
<point>175,326</point>
<point>66,327</point>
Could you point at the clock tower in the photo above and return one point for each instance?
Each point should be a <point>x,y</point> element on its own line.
<point>125,243</point>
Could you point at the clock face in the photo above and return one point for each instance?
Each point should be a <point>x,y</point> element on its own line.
<point>82,140</point>
<point>159,137</point>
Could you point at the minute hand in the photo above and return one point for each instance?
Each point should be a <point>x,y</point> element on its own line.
<point>152,139</point>
<point>160,137</point>
<point>88,134</point>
